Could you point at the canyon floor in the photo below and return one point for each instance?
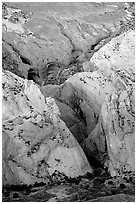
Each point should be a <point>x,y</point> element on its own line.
<point>98,188</point>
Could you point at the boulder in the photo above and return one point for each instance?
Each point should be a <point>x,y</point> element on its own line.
<point>87,67</point>
<point>60,74</point>
<point>36,142</point>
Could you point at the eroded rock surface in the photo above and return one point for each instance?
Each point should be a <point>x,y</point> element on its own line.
<point>62,33</point>
<point>12,61</point>
<point>80,100</point>
<point>117,55</point>
<point>98,101</point>
<point>116,60</point>
<point>118,113</point>
<point>49,43</point>
<point>36,142</point>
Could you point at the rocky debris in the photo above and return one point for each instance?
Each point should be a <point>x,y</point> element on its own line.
<point>99,188</point>
<point>60,74</point>
<point>83,188</point>
<point>36,142</point>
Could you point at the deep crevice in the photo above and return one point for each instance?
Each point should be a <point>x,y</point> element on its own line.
<point>25,60</point>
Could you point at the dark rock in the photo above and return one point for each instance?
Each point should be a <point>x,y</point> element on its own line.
<point>122,186</point>
<point>110,182</point>
<point>11,61</point>
<point>15,195</point>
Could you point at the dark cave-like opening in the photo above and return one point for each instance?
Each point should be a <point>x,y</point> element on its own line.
<point>33,74</point>
<point>25,60</point>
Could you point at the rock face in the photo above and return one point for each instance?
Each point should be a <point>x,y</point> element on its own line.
<point>80,100</point>
<point>48,43</point>
<point>117,55</point>
<point>118,114</point>
<point>61,33</point>
<point>36,142</point>
<point>13,62</point>
<point>101,104</point>
<point>116,60</point>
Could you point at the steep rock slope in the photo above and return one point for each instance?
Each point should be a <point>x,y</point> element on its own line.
<point>104,102</point>
<point>54,44</point>
<point>118,114</point>
<point>12,61</point>
<point>116,60</point>
<point>83,94</point>
<point>36,142</point>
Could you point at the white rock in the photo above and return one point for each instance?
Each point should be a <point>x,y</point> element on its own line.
<point>118,114</point>
<point>118,54</point>
<point>36,142</point>
<point>93,87</point>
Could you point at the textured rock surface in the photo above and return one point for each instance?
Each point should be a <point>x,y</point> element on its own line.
<point>113,138</point>
<point>49,43</point>
<point>80,100</point>
<point>12,61</point>
<point>117,55</point>
<point>94,109</point>
<point>36,142</point>
<point>118,113</point>
<point>116,60</point>
<point>62,32</point>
